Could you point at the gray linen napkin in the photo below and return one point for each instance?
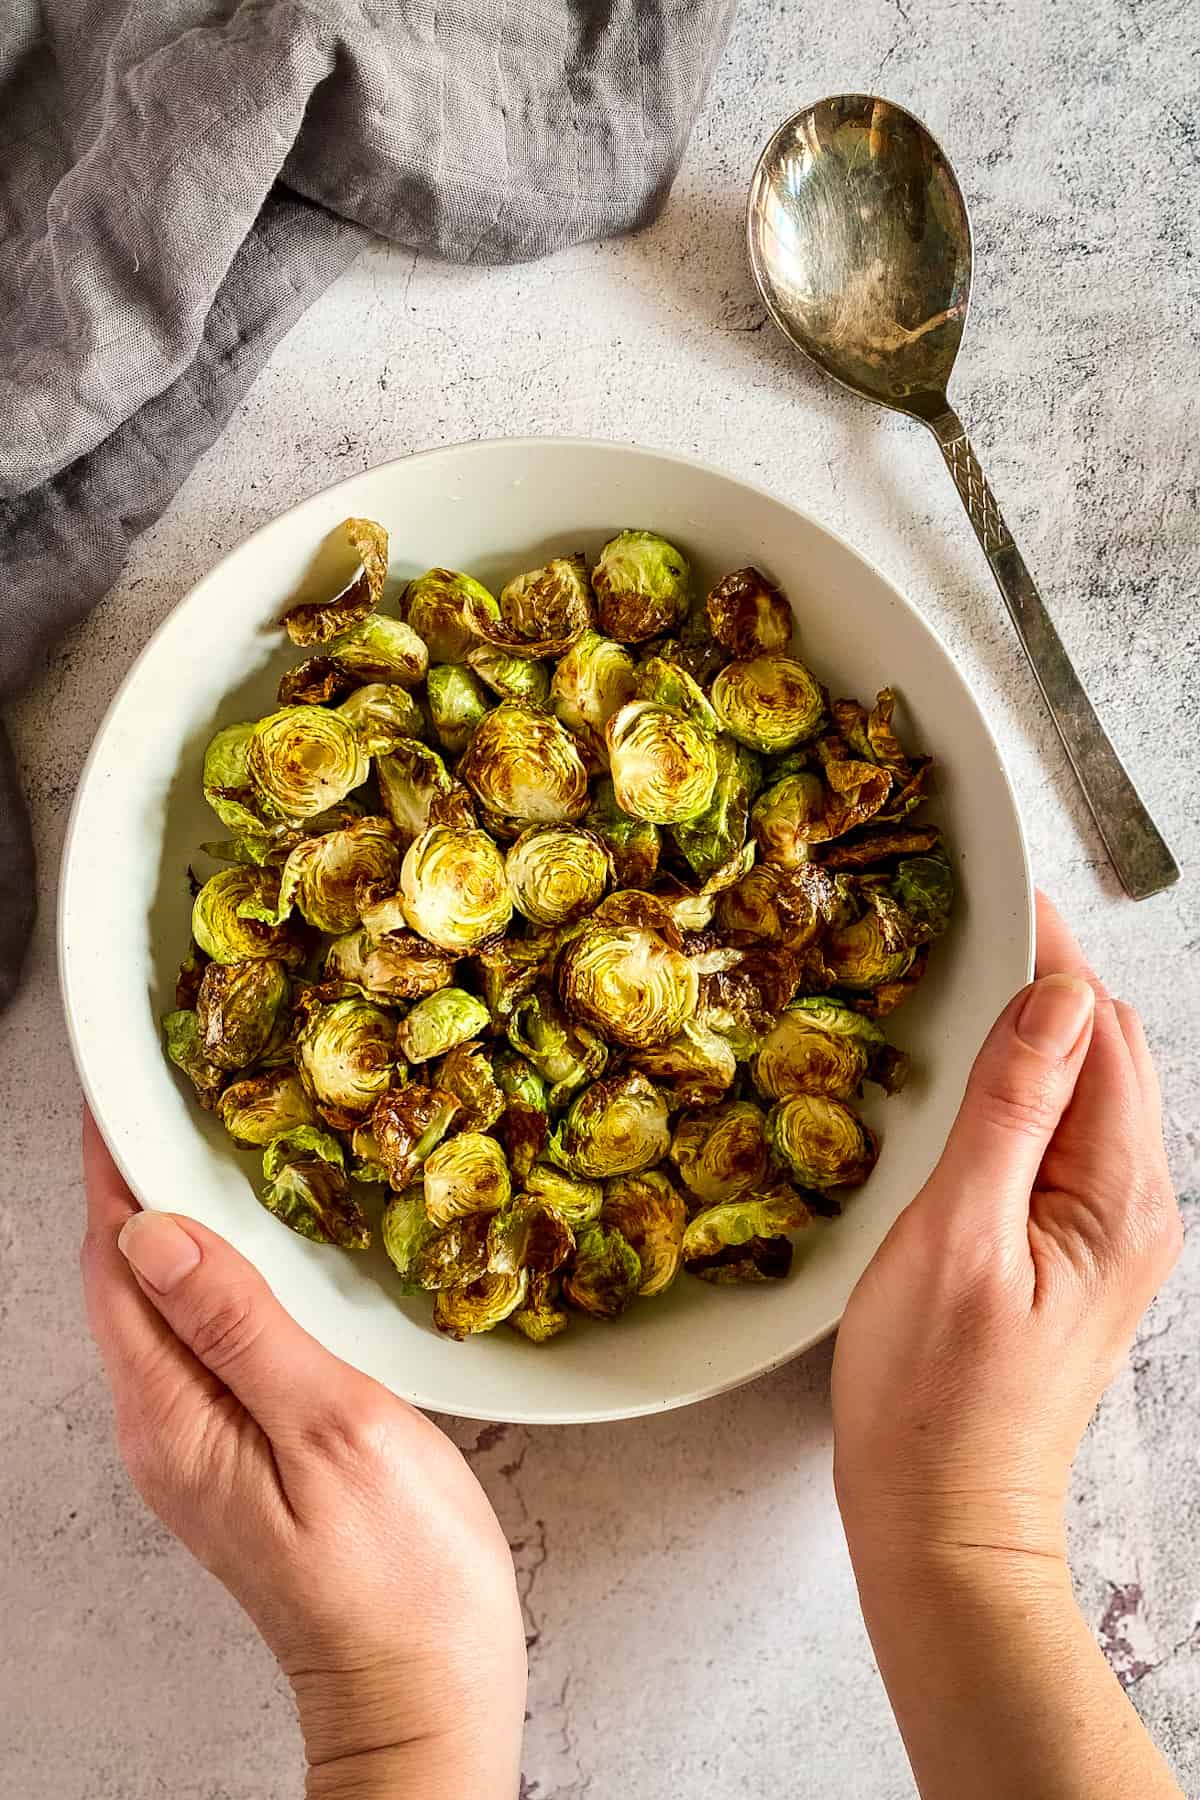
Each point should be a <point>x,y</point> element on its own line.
<point>180,179</point>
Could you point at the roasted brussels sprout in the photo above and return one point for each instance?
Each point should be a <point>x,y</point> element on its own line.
<point>807,809</point>
<point>315,622</point>
<point>721,1153</point>
<point>384,716</point>
<point>400,965</point>
<point>511,968</point>
<point>924,888</point>
<point>666,684</point>
<point>606,1273</point>
<point>714,844</point>
<point>512,677</point>
<point>408,1123</point>
<point>345,1052</point>
<point>696,1068</point>
<point>749,910</point>
<point>315,682</point>
<point>616,1126</point>
<point>379,648</point>
<point>749,616</point>
<point>539,614</point>
<point>820,1046</point>
<point>304,1170</point>
<point>257,1108</point>
<point>524,769</point>
<point>413,781</point>
<point>769,703</point>
<point>237,1008</point>
<point>228,786</point>
<point>453,1255</point>
<point>467,1072</point>
<point>528,1235</point>
<point>439,1023</point>
<point>758,1259</point>
<point>452,888</point>
<point>877,844</point>
<point>435,605</point>
<point>186,1051</point>
<point>405,1231</point>
<point>750,1214</point>
<point>479,1306</point>
<point>865,953</point>
<point>591,683</point>
<point>524,1124</point>
<point>633,845</point>
<point>457,701</point>
<point>821,1141</point>
<point>565,1052</point>
<point>335,878</point>
<point>304,759</point>
<point>641,585</point>
<point>541,1318</point>
<point>556,873</point>
<point>629,983</point>
<point>733,1005</point>
<point>650,1215</point>
<point>224,934</point>
<point>466,1174</point>
<point>664,766</point>
<point>575,1199</point>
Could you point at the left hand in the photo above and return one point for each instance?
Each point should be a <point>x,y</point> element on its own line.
<point>345,1523</point>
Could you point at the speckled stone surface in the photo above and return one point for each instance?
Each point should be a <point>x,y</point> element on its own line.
<point>692,1617</point>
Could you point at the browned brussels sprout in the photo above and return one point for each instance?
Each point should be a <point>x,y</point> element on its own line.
<point>749,616</point>
<point>306,1188</point>
<point>606,1273</point>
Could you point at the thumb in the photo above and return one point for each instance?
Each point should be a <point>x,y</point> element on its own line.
<point>1016,1094</point>
<point>221,1308</point>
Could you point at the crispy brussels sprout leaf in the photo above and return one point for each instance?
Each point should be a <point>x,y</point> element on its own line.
<point>229,788</point>
<point>642,912</point>
<point>454,1255</point>
<point>257,1108</point>
<point>466,1174</point>
<point>345,1053</point>
<point>877,845</point>
<point>511,968</point>
<point>641,584</point>
<point>191,974</point>
<point>666,684</point>
<point>769,703</point>
<point>453,889</point>
<point>436,604</point>
<point>573,1198</point>
<point>528,1236</point>
<point>650,1215</point>
<point>807,809</point>
<point>386,717</point>
<point>401,965</point>
<point>749,616</point>
<point>317,622</point>
<point>457,701</point>
<point>511,677</point>
<point>591,683</point>
<point>821,1141</point>
<point>380,648</point>
<point>186,1051</point>
<point>821,1046</point>
<point>439,1023</point>
<point>412,780</point>
<point>695,1069</point>
<point>524,769</point>
<point>556,873</point>
<point>306,1188</point>
<point>664,766</point>
<point>629,983</point>
<point>770,1214</point>
<point>304,759</point>
<point>723,1152</point>
<point>224,934</point>
<point>616,1126</point>
<point>468,1074</point>
<point>539,614</point>
<point>713,844</point>
<point>758,1259</point>
<point>334,878</point>
<point>479,1306</point>
<point>541,1318</point>
<point>633,844</point>
<point>237,1008</point>
<point>405,1231</point>
<point>315,682</point>
<point>566,1052</point>
<point>605,1276</point>
<point>408,1123</point>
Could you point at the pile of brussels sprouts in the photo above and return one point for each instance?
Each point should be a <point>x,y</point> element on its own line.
<point>565,920</point>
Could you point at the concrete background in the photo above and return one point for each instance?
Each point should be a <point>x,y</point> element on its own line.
<point>693,1619</point>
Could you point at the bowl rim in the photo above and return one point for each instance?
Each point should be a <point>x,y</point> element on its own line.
<point>604,1415</point>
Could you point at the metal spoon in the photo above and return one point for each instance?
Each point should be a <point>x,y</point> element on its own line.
<point>861,248</point>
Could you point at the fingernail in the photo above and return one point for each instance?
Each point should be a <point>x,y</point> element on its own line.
<point>158,1249</point>
<point>1055,1012</point>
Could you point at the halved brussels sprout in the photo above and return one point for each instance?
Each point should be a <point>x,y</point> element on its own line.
<point>769,703</point>
<point>466,1174</point>
<point>820,1046</point>
<point>512,677</point>
<point>316,622</point>
<point>865,953</point>
<point>380,648</point>
<point>590,683</point>
<point>749,910</point>
<point>457,701</point>
<point>758,1259</point>
<point>615,1127</point>
<point>314,682</point>
<point>405,1231</point>
<point>641,585</point>
<point>409,1123</point>
<point>605,1276</point>
<point>367,1163</point>
<point>633,845</point>
<point>722,1153</point>
<point>541,1318</point>
<point>412,781</point>
<point>453,889</point>
<point>749,616</point>
<point>257,1108</point>
<point>524,769</point>
<point>664,766</point>
<point>924,888</point>
<point>398,966</point>
<point>439,1023</point>
<point>733,1005</point>
<point>228,786</point>
<point>666,684</point>
<point>695,1069</point>
<point>187,1053</point>
<point>237,1008</point>
<point>456,1254</point>
<point>650,1215</point>
<point>304,1170</point>
<point>575,1199</point>
<point>565,1052</point>
<point>733,1222</point>
<point>645,912</point>
<point>541,613</point>
<point>714,844</point>
<point>345,1052</point>
<point>556,873</point>
<point>304,759</point>
<point>481,1305</point>
<point>510,968</point>
<point>528,1235</point>
<point>222,932</point>
<point>335,878</point>
<point>383,715</point>
<point>468,1074</point>
<point>435,605</point>
<point>805,809</point>
<point>821,1141</point>
<point>629,983</point>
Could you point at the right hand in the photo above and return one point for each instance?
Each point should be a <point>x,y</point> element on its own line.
<point>977,1343</point>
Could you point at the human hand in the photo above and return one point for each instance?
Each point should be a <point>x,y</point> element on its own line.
<point>977,1343</point>
<point>345,1523</point>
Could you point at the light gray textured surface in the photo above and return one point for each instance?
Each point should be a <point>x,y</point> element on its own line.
<point>692,1613</point>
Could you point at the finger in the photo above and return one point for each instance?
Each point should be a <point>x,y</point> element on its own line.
<point>1057,951</point>
<point>1016,1094</point>
<point>1143,1063</point>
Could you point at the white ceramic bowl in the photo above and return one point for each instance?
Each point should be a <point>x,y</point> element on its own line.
<point>496,508</point>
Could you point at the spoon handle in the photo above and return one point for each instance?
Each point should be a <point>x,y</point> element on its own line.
<point>1134,843</point>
